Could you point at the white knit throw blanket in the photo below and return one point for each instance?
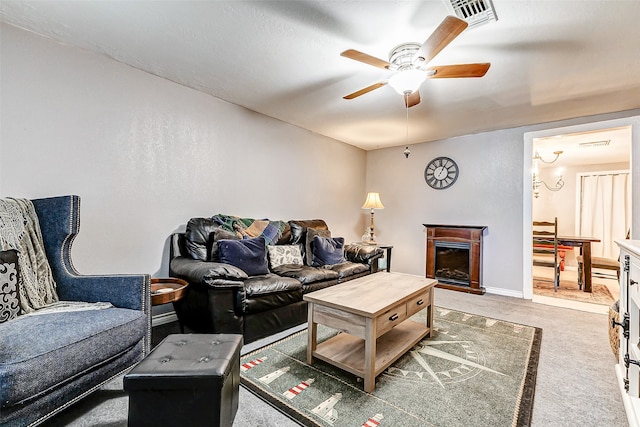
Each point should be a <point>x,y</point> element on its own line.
<point>20,230</point>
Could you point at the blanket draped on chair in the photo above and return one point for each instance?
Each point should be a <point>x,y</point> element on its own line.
<point>249,227</point>
<point>20,230</point>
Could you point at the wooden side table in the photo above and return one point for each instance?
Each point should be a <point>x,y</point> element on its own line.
<point>168,290</point>
<point>387,249</point>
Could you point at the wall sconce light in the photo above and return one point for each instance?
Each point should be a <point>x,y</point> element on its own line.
<point>536,156</point>
<point>373,202</point>
<point>536,174</point>
<point>537,181</point>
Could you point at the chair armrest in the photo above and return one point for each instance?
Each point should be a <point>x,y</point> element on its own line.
<point>124,291</point>
<point>214,274</point>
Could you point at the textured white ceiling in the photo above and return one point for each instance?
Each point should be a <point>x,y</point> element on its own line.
<point>551,60</point>
<point>576,148</point>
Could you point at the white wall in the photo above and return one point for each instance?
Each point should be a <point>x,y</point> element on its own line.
<point>146,154</point>
<point>490,191</point>
<point>487,193</point>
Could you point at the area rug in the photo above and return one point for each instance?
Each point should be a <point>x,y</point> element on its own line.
<point>472,371</point>
<point>599,294</point>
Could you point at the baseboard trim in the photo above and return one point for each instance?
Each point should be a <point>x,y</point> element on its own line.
<point>504,292</point>
<point>164,318</point>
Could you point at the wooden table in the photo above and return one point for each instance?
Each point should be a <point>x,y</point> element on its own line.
<point>584,243</point>
<point>168,290</point>
<point>387,249</point>
<point>373,311</point>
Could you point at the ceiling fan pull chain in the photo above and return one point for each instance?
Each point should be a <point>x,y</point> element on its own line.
<point>406,103</point>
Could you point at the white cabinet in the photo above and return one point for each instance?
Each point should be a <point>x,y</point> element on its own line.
<point>628,368</point>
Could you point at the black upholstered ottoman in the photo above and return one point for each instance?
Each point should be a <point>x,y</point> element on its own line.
<point>188,379</point>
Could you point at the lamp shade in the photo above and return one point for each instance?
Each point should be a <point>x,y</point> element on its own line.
<point>373,202</point>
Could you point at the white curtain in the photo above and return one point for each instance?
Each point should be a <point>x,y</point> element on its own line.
<point>605,211</point>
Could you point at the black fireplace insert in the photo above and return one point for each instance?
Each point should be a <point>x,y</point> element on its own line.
<point>453,262</point>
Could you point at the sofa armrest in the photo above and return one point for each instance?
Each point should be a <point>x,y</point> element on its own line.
<point>124,291</point>
<point>214,274</point>
<point>210,309</point>
<point>364,254</point>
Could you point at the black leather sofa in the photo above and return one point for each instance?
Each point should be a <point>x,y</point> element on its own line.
<point>222,298</point>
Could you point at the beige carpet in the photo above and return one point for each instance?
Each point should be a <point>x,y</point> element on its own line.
<point>569,290</point>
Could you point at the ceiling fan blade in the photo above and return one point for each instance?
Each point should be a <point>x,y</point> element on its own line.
<point>461,70</point>
<point>413,99</point>
<point>448,30</point>
<point>365,90</point>
<point>367,59</point>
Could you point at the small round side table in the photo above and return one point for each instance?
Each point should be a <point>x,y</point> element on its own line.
<point>168,290</point>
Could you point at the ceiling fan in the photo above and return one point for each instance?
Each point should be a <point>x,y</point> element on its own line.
<point>409,60</point>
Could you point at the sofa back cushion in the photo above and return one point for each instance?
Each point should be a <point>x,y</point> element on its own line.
<point>249,255</point>
<point>327,251</point>
<point>299,228</point>
<point>217,235</point>
<point>308,247</point>
<point>285,238</point>
<point>198,238</point>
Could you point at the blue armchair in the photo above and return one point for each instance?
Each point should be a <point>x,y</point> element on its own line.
<point>50,361</point>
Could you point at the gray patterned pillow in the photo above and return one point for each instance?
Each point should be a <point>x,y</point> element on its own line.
<point>9,299</point>
<point>284,254</point>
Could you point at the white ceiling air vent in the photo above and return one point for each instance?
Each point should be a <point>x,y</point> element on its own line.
<point>603,143</point>
<point>475,12</point>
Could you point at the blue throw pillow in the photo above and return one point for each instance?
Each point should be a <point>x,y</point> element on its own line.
<point>249,255</point>
<point>327,250</point>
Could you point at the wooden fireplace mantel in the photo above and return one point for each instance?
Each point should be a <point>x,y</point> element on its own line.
<point>461,234</point>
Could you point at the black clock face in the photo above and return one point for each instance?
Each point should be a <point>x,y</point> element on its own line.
<point>441,173</point>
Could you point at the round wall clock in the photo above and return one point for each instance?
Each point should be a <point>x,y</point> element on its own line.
<point>441,173</point>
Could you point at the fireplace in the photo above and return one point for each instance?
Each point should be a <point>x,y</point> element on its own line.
<point>453,263</point>
<point>454,257</point>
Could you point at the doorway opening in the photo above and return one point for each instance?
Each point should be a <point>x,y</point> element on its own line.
<point>593,149</point>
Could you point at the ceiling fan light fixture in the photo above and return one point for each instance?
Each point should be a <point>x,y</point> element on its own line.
<point>405,82</point>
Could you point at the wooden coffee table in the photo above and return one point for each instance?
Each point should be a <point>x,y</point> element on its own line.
<point>373,311</point>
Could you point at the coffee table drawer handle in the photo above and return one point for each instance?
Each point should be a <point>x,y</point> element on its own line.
<point>394,317</point>
<point>420,302</point>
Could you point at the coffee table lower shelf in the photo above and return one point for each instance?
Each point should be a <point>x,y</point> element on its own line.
<point>347,351</point>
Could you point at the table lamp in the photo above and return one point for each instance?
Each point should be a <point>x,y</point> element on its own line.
<point>373,202</point>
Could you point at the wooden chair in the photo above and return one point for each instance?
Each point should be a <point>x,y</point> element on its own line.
<point>601,263</point>
<point>545,248</point>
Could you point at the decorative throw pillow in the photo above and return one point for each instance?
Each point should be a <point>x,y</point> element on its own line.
<point>284,254</point>
<point>327,251</point>
<point>308,249</point>
<point>9,299</point>
<point>249,255</point>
